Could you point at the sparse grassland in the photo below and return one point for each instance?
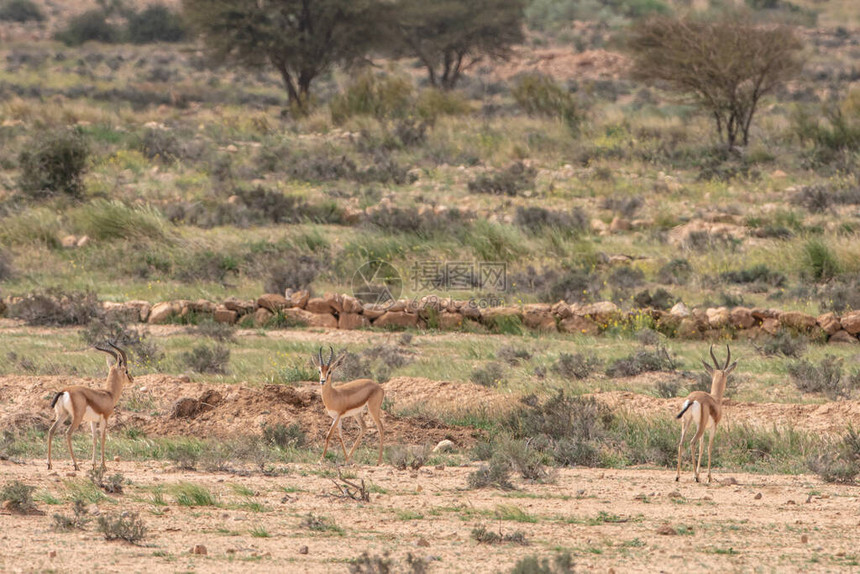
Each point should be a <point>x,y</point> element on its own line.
<point>134,170</point>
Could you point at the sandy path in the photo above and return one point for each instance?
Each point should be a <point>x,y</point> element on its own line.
<point>606,518</point>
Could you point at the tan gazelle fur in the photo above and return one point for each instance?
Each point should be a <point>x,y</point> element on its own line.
<point>348,400</point>
<point>93,405</point>
<point>706,410</point>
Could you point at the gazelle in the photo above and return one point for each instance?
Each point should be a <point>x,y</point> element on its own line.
<point>706,410</point>
<point>348,400</point>
<point>93,405</point>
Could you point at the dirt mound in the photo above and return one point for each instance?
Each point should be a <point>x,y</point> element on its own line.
<point>830,418</point>
<point>425,395</point>
<point>171,406</point>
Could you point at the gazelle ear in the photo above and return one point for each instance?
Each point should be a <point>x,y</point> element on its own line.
<point>731,368</point>
<point>708,367</point>
<point>337,361</point>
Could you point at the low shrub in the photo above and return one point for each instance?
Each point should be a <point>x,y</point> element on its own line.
<point>625,205</point>
<point>54,163</point>
<point>402,457</point>
<point>78,520</point>
<point>126,526</point>
<point>757,274</point>
<point>535,219</point>
<point>111,484</point>
<point>295,272</point>
<point>826,377</point>
<point>667,389</point>
<point>511,181</point>
<point>561,564</point>
<point>491,375</point>
<point>540,95</point>
<point>283,436</point>
<point>576,365</point>
<point>91,26</point>
<point>56,307</point>
<point>784,343</point>
<point>367,564</point>
<point>207,359</point>
<point>564,427</point>
<point>496,474</point>
<point>483,536</point>
<point>18,497</point>
<point>372,95</point>
<point>159,144</point>
<point>642,361</point>
<point>840,462</point>
<point>675,272</point>
<point>432,104</point>
<point>155,23</point>
<point>820,261</point>
<point>113,220</point>
<point>221,332</point>
<point>512,355</point>
<point>20,11</point>
<point>6,272</point>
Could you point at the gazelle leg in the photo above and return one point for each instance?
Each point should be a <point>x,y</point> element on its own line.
<point>685,424</point>
<point>340,436</point>
<point>72,428</point>
<point>104,436</point>
<point>360,418</point>
<point>94,428</point>
<point>710,446</point>
<point>376,413</point>
<point>61,418</point>
<point>701,445</point>
<point>328,436</point>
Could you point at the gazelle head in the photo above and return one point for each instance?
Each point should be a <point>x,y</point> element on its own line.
<point>719,374</point>
<point>120,367</point>
<point>326,368</point>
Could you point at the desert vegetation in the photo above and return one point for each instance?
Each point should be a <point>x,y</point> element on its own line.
<point>525,219</point>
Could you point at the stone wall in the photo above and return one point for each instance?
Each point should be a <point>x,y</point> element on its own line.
<point>340,311</point>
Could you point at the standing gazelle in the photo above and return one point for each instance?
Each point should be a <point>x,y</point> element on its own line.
<point>348,400</point>
<point>706,410</point>
<point>93,405</point>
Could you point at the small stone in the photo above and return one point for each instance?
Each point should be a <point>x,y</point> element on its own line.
<point>757,496</point>
<point>423,543</point>
<point>116,459</point>
<point>444,446</point>
<point>233,550</point>
<point>675,494</point>
<point>199,549</point>
<point>52,554</point>
<point>790,502</point>
<point>419,488</point>
<point>804,538</point>
<point>666,530</point>
<point>72,474</point>
<point>303,549</point>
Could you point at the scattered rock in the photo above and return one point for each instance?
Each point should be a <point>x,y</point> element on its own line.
<point>797,321</point>
<point>729,481</point>
<point>843,336</point>
<point>757,496</point>
<point>666,530</point>
<point>52,554</point>
<point>396,319</point>
<point>303,549</point>
<point>804,538</point>
<point>262,316</point>
<point>273,302</point>
<point>445,446</point>
<point>199,549</point>
<point>225,315</point>
<point>423,543</point>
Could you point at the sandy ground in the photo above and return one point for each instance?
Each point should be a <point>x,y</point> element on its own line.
<point>610,520</point>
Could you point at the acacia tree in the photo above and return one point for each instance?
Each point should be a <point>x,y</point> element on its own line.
<point>300,38</point>
<point>450,36</point>
<point>724,65</point>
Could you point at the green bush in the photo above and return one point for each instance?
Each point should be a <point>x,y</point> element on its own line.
<point>539,95</point>
<point>841,462</point>
<point>91,26</point>
<point>156,23</point>
<point>56,307</point>
<point>576,365</point>
<point>20,11</point>
<point>127,526</point>
<point>18,496</point>
<point>642,361</point>
<point>54,163</point>
<point>433,103</point>
<point>826,377</point>
<point>206,359</point>
<point>492,375</point>
<point>820,261</point>
<point>562,564</point>
<point>371,95</point>
<point>109,220</point>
